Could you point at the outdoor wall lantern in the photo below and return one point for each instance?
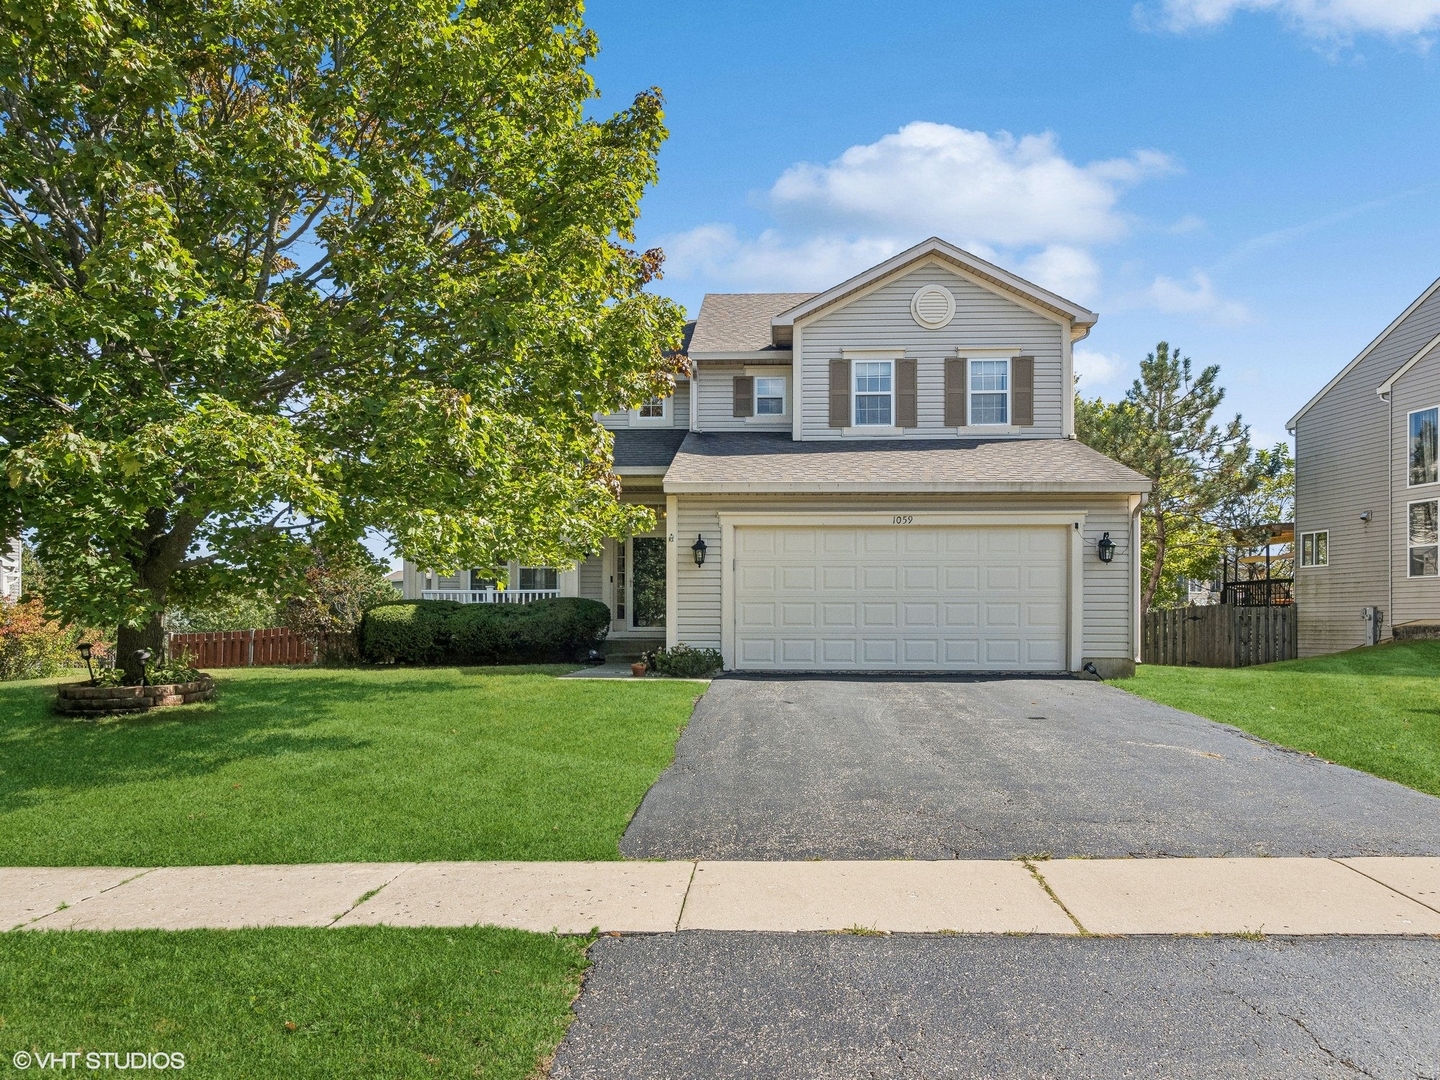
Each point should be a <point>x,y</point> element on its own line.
<point>1105,548</point>
<point>84,649</point>
<point>698,547</point>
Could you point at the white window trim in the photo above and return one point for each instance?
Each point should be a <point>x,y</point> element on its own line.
<point>781,373</point>
<point>855,394</point>
<point>970,393</point>
<point>663,420</point>
<point>1408,545</point>
<point>1412,412</point>
<point>1300,550</point>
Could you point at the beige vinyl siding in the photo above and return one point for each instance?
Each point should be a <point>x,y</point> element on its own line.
<point>679,411</point>
<point>882,320</point>
<point>1412,598</point>
<point>1342,468</point>
<point>1109,603</point>
<point>715,388</point>
<point>591,584</point>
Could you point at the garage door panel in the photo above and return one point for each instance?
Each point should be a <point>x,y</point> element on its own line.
<point>797,650</point>
<point>878,650</point>
<point>925,614</point>
<point>877,615</point>
<point>756,614</point>
<point>922,597</point>
<point>797,577</point>
<point>920,578</point>
<point>798,615</point>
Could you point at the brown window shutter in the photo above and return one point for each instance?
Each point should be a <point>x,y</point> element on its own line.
<point>744,395</point>
<point>956,371</point>
<point>905,394</point>
<point>1022,391</point>
<point>840,393</point>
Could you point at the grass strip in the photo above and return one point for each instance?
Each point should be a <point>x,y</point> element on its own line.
<point>293,765</point>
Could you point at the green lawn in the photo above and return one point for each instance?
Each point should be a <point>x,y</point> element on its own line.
<point>296,1003</point>
<point>1375,709</point>
<point>324,765</point>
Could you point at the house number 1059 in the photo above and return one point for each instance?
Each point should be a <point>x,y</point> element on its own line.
<point>903,519</point>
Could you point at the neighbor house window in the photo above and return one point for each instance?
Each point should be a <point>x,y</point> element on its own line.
<point>1423,426</point>
<point>1315,548</point>
<point>655,409</point>
<point>989,391</point>
<point>479,582</point>
<point>539,577</point>
<point>1424,540</point>
<point>874,393</point>
<point>770,396</point>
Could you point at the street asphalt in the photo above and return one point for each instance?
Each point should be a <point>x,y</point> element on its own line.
<point>754,1006</point>
<point>875,768</point>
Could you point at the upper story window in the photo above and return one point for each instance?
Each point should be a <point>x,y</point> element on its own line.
<point>989,391</point>
<point>874,393</point>
<point>770,396</point>
<point>1423,426</point>
<point>1315,548</point>
<point>654,411</point>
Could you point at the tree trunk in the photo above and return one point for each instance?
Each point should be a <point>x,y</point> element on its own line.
<point>1157,568</point>
<point>163,544</point>
<point>129,640</point>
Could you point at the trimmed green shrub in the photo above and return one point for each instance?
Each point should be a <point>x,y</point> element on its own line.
<point>683,662</point>
<point>444,632</point>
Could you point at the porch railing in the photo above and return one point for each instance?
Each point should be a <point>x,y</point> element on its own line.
<point>1274,592</point>
<point>489,596</point>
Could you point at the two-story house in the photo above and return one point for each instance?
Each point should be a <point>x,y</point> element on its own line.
<point>1367,492</point>
<point>881,476</point>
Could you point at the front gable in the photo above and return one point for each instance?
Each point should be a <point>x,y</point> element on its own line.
<point>907,314</point>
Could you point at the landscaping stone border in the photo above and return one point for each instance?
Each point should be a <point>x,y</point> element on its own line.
<point>86,699</point>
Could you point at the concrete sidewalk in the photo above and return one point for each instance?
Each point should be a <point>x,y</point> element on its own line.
<point>1070,896</point>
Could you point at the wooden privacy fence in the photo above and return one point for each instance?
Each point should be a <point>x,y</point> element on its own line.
<point>1220,635</point>
<point>244,648</point>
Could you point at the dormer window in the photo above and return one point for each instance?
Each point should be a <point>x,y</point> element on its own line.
<point>874,393</point>
<point>989,392</point>
<point>653,412</point>
<point>770,396</point>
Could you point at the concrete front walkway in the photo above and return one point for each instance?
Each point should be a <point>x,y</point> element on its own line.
<point>1067,896</point>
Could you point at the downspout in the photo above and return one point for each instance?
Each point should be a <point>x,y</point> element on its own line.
<point>1389,613</point>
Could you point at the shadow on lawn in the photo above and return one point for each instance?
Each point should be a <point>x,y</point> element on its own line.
<point>259,718</point>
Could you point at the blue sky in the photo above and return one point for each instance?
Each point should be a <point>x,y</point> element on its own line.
<point>1257,181</point>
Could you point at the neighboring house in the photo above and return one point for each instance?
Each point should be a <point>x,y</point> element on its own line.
<point>881,476</point>
<point>1367,489</point>
<point>10,570</point>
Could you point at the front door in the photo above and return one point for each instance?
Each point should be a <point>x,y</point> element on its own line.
<point>647,581</point>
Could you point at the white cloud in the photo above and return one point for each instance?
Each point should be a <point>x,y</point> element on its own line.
<point>1196,296</point>
<point>1096,368</point>
<point>968,185</point>
<point>1320,18</point>
<point>1018,201</point>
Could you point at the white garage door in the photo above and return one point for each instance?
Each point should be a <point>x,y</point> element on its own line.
<point>901,597</point>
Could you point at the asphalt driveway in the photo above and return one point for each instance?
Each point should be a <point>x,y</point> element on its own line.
<point>869,768</point>
<point>756,1006</point>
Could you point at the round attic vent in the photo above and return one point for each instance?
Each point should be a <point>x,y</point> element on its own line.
<point>933,307</point>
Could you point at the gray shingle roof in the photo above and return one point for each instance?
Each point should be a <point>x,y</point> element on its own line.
<point>739,322</point>
<point>772,461</point>
<point>648,449</point>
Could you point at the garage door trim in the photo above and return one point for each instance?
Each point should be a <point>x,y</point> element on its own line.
<point>901,518</point>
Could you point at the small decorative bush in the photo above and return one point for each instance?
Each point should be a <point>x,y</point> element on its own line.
<point>32,646</point>
<point>444,632</point>
<point>683,662</point>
